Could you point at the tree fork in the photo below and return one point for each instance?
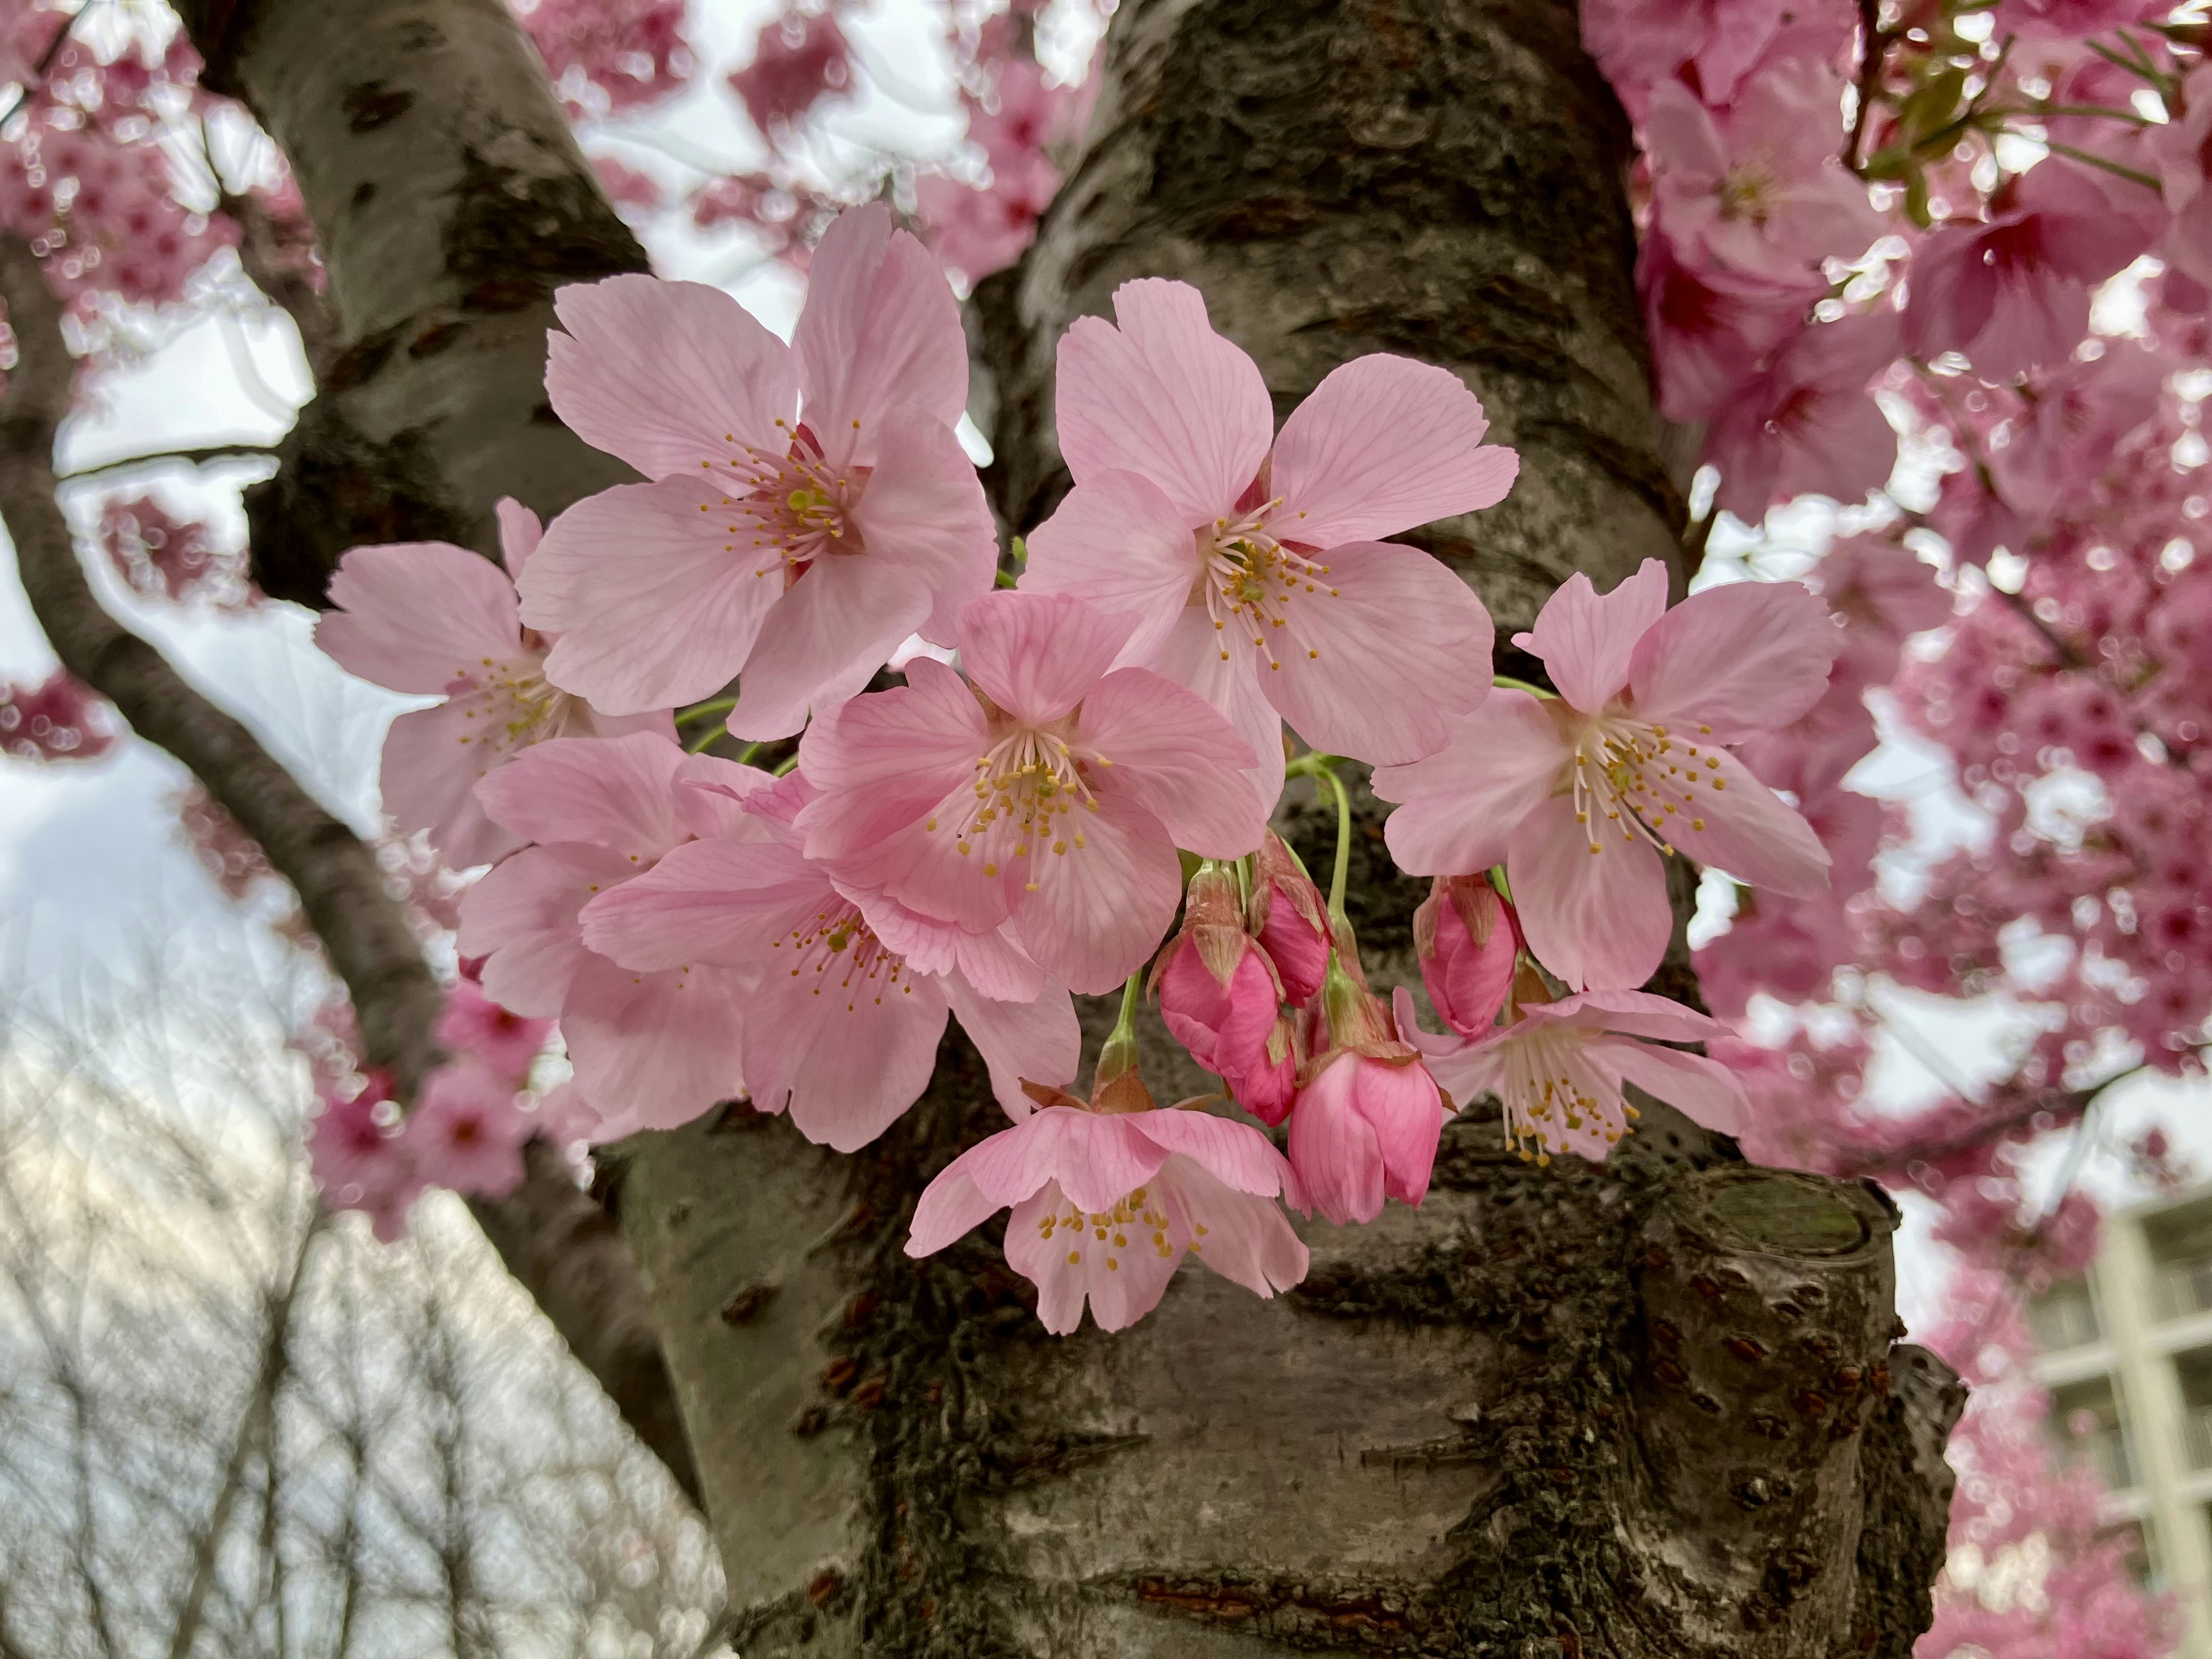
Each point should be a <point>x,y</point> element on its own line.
<point>1470,1430</point>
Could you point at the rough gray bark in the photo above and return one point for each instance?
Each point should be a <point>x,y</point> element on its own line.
<point>449,201</point>
<point>1651,1409</point>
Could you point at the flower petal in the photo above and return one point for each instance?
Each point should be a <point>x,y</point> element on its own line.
<point>1119,542</point>
<point>1588,640</point>
<point>1380,667</point>
<point>824,640</point>
<point>1599,919</point>
<point>884,760</point>
<point>1247,1241</point>
<point>1461,803</point>
<point>1384,444</point>
<point>880,327</point>
<point>922,511</point>
<point>656,597</point>
<point>1164,397</point>
<point>521,917</point>
<point>1192,656</point>
<point>1123,1281</point>
<point>418,616</point>
<point>1752,834</point>
<point>849,1065</point>
<point>1036,655</point>
<point>1333,1148</point>
<point>1234,1153</point>
<point>666,374</point>
<point>432,760</point>
<point>662,1046</point>
<point>724,903</point>
<point>616,792</point>
<point>1091,916</point>
<point>1702,1090</point>
<point>1746,657</point>
<point>1178,757</point>
<point>519,532</point>
<point>1038,1039</point>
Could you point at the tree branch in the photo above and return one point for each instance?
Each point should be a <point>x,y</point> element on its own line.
<point>342,890</point>
<point>261,252</point>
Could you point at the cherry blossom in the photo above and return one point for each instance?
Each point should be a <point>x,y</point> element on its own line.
<point>355,1153</point>
<point>1288,919</point>
<point>1580,796</point>
<point>1557,1067</point>
<point>1803,424</point>
<point>810,507</point>
<point>798,58</point>
<point>1052,794</point>
<point>465,1131</point>
<point>662,1046</point>
<point>1106,1203</point>
<point>1250,560</point>
<point>844,1027</point>
<point>1221,999</point>
<point>431,619</point>
<point>1711,326</point>
<point>1467,940</point>
<point>472,1023</point>
<point>59,719</point>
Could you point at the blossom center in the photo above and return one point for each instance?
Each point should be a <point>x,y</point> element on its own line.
<point>1247,579</point>
<point>1136,1222</point>
<point>792,507</point>
<point>1027,786</point>
<point>836,950</point>
<point>520,705</point>
<point>1553,1098</point>
<point>1640,781</point>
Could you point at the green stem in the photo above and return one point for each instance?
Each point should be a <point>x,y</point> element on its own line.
<point>1006,579</point>
<point>1506,681</point>
<point>706,741</point>
<point>699,711</point>
<point>1119,1056</point>
<point>1336,880</point>
<point>745,755</point>
<point>2088,159</point>
<point>785,767</point>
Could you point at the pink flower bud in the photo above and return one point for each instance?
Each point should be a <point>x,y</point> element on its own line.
<point>1220,996</point>
<point>1467,937</point>
<point>1364,1128</point>
<point>1289,919</point>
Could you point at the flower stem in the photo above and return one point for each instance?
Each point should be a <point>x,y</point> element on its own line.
<point>1119,1056</point>
<point>699,711</point>
<point>705,740</point>
<point>1506,681</point>
<point>1336,880</point>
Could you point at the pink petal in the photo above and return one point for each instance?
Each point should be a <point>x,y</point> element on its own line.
<point>1588,640</point>
<point>1634,1013</point>
<point>880,327</point>
<point>1380,668</point>
<point>824,640</point>
<point>1176,755</point>
<point>616,792</point>
<point>717,797</point>
<point>1164,397</point>
<point>1461,803</point>
<point>849,1059</point>
<point>1038,1039</point>
<point>519,532</point>
<point>667,374</point>
<point>662,1046</point>
<point>432,760</point>
<point>1098,1160</point>
<point>656,597</point>
<point>950,1207</point>
<point>1193,656</point>
<point>1599,919</point>
<point>1401,1103</point>
<point>1384,444</point>
<point>1332,1147</point>
<point>1752,835</point>
<point>1234,1153</point>
<point>1706,1091</point>
<point>1247,1241</point>
<point>521,916</point>
<point>922,511</point>
<point>1745,657</point>
<point>1119,542</point>
<point>1099,909</point>
<point>726,903</point>
<point>881,761</point>
<point>1120,1294</point>
<point>1465,1069</point>
<point>418,616</point>
<point>1036,655</point>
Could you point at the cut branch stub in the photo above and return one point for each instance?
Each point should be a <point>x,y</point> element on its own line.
<point>1767,1301</point>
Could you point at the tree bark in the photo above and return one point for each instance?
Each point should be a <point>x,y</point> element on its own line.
<point>1648,1408</point>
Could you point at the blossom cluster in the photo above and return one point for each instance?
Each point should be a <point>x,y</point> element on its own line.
<point>1065,764</point>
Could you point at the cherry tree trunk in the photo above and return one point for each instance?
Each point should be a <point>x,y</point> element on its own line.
<point>1655,1407</point>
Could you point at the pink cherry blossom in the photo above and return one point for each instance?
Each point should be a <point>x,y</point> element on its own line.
<point>466,1132</point>
<point>1579,796</point>
<point>1710,327</point>
<point>2074,416</point>
<point>844,1028</point>
<point>359,1162</point>
<point>1558,1068</point>
<point>1467,940</point>
<point>1364,1128</point>
<point>1052,794</point>
<point>432,618</point>
<point>1641,43</point>
<point>2181,150</point>
<point>977,230</point>
<point>163,557</point>
<point>2012,293</point>
<point>1221,999</point>
<point>662,1047</point>
<point>1106,1205</point>
<point>1758,186</point>
<point>1290,920</point>
<point>472,1024</point>
<point>1804,424</point>
<point>798,58</point>
<point>810,506</point>
<point>1254,572</point>
<point>59,719</point>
